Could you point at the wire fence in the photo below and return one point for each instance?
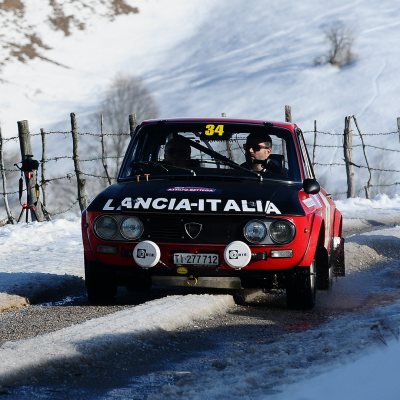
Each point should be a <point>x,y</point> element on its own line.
<point>94,164</point>
<point>375,180</point>
<point>92,167</point>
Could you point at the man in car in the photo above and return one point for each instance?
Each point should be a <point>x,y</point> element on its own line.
<point>177,150</point>
<point>258,147</point>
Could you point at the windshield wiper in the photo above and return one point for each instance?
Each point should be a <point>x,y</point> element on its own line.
<point>236,166</point>
<point>220,157</point>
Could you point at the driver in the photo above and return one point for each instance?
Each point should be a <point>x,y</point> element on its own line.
<point>177,150</point>
<point>258,147</point>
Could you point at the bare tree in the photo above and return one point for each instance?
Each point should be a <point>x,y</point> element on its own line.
<point>341,40</point>
<point>126,94</point>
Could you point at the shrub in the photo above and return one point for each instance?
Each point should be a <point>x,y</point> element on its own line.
<point>341,40</point>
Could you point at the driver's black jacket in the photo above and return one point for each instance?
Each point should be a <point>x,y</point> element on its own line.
<point>268,165</point>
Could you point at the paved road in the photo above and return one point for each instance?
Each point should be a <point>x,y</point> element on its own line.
<point>138,370</point>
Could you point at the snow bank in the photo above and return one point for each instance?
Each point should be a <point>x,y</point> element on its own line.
<point>372,377</point>
<point>336,349</point>
<point>381,204</point>
<point>362,213</point>
<point>81,343</point>
<point>38,260</point>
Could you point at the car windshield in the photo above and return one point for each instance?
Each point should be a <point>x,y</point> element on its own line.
<point>212,149</point>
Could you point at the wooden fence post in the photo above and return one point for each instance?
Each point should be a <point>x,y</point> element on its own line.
<point>288,113</point>
<point>348,157</point>
<point>288,118</point>
<point>132,123</point>
<point>369,184</point>
<point>43,168</point>
<point>103,151</point>
<point>79,179</point>
<point>30,177</point>
<point>229,147</point>
<point>315,144</point>
<point>3,175</point>
<point>398,126</point>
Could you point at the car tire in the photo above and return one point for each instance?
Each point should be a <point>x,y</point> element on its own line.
<point>339,264</point>
<point>101,283</point>
<point>301,288</point>
<point>324,270</point>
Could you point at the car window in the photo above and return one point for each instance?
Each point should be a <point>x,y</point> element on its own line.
<point>308,171</point>
<point>207,149</point>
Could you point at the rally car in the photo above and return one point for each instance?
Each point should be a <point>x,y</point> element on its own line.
<point>191,207</point>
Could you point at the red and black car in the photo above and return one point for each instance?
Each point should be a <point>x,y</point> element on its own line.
<point>210,220</point>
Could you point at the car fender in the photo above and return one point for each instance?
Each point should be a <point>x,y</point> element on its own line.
<point>89,256</point>
<point>337,229</point>
<point>316,226</point>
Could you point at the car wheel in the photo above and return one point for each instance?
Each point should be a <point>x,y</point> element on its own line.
<point>301,288</point>
<point>324,271</point>
<point>101,283</point>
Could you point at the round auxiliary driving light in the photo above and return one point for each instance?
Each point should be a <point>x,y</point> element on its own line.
<point>282,231</point>
<point>255,231</point>
<point>106,227</point>
<point>237,254</point>
<point>146,254</point>
<point>131,228</point>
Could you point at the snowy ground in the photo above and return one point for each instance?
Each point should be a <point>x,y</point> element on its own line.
<point>201,58</point>
<point>313,360</point>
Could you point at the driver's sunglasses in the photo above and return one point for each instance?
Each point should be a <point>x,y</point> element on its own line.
<point>255,147</point>
<point>180,152</point>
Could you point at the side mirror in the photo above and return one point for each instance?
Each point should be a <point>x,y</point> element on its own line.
<point>311,186</point>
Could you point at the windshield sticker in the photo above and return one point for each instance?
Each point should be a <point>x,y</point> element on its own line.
<point>309,202</point>
<point>198,205</point>
<point>212,130</point>
<point>191,189</point>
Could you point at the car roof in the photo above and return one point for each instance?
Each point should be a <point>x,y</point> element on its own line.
<point>288,125</point>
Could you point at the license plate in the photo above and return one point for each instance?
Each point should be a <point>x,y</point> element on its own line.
<point>196,259</point>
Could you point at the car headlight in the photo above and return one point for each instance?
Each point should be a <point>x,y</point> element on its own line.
<point>131,228</point>
<point>106,227</point>
<point>255,231</point>
<point>282,231</point>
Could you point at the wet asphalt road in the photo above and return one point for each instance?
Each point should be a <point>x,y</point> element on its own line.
<point>147,365</point>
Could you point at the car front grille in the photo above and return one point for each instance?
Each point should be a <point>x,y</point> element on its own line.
<point>213,229</point>
<point>166,233</point>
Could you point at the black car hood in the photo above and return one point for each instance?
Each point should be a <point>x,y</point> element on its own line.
<point>201,197</point>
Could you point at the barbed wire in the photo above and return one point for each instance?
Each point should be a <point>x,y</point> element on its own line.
<point>331,164</point>
<point>9,170</point>
<point>355,134</point>
<point>354,145</point>
<point>79,159</point>
<point>357,166</point>
<point>65,133</point>
<point>97,176</point>
<point>24,190</point>
<point>325,133</point>
<point>68,176</point>
<point>364,187</point>
<point>64,211</point>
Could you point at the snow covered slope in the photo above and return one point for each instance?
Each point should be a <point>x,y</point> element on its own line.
<point>201,58</point>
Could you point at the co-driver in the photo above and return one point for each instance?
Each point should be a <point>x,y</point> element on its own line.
<point>258,147</point>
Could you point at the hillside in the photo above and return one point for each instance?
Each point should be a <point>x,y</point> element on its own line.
<point>204,58</point>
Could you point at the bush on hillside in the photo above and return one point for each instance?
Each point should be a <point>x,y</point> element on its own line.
<point>341,40</point>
